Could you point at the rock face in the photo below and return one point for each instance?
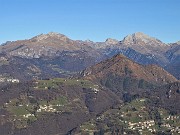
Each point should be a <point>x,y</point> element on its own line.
<point>173,55</point>
<point>141,48</point>
<point>141,39</point>
<point>75,55</point>
<point>111,41</point>
<point>42,45</point>
<point>50,35</point>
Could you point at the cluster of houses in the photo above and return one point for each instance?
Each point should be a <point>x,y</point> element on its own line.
<point>13,80</point>
<point>140,126</point>
<point>95,90</point>
<point>170,117</point>
<point>148,125</point>
<point>9,80</point>
<point>28,115</point>
<point>170,127</point>
<point>46,108</point>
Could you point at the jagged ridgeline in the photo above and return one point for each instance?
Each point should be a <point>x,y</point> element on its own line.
<point>50,85</point>
<point>56,55</point>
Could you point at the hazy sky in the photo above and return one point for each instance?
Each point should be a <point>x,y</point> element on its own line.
<point>90,19</point>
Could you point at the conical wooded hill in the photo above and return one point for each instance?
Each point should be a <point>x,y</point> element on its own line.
<point>124,67</point>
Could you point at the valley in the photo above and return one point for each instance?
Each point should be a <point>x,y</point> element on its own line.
<point>51,84</point>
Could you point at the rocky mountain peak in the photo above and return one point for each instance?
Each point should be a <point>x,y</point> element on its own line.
<point>111,41</point>
<point>88,41</point>
<point>141,39</point>
<point>50,35</point>
<point>140,35</point>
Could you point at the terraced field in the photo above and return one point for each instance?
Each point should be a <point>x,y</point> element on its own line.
<point>135,117</point>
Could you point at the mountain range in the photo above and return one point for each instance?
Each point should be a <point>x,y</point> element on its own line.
<point>53,85</point>
<point>54,54</point>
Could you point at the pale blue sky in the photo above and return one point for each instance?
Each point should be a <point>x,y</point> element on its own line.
<point>90,19</point>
